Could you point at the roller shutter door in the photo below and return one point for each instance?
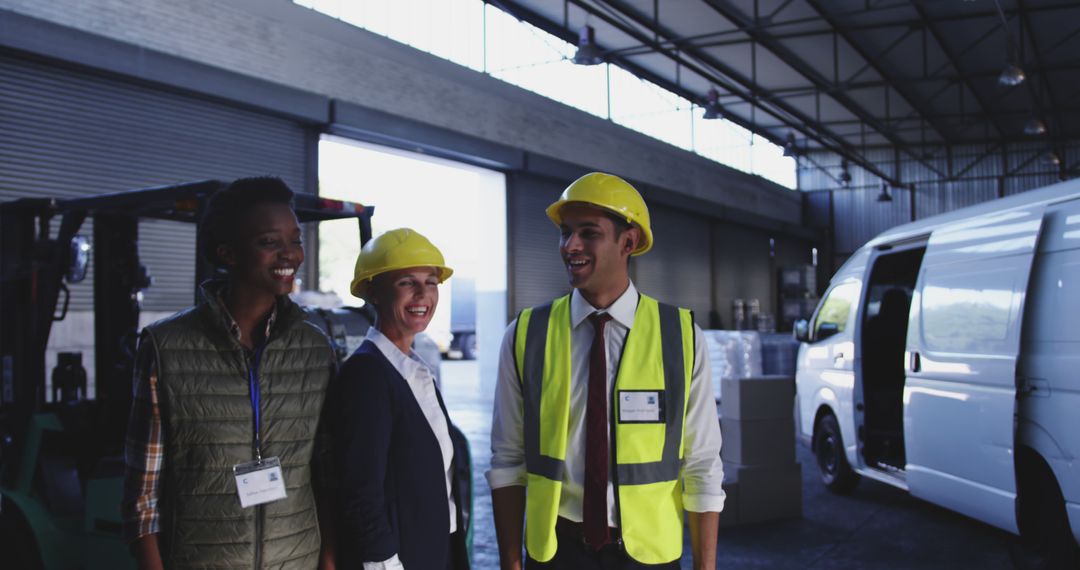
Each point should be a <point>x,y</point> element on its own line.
<point>677,269</point>
<point>741,269</point>
<point>68,133</point>
<point>536,271</point>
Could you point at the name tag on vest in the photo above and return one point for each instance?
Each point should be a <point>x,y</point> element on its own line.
<point>641,406</point>
<point>259,482</point>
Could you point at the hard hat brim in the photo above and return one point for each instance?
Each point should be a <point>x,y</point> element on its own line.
<point>361,284</point>
<point>554,214</point>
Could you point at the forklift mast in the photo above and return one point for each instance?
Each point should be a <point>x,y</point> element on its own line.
<point>32,267</point>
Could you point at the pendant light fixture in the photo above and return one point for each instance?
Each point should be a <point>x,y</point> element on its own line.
<point>789,145</point>
<point>1012,75</point>
<point>1034,127</point>
<point>884,195</point>
<point>845,174</point>
<point>588,53</point>
<point>713,110</point>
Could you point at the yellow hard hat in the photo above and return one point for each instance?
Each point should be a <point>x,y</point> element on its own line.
<point>396,249</point>
<point>610,193</point>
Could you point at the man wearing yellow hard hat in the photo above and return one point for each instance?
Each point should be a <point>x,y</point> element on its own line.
<point>604,412</point>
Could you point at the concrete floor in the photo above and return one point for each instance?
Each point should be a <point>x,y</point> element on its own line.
<point>875,527</point>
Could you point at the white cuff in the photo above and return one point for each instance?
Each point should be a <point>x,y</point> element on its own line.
<point>704,503</point>
<point>499,477</point>
<point>392,563</point>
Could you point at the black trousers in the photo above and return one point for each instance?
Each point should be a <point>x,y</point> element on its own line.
<point>458,557</point>
<point>574,554</point>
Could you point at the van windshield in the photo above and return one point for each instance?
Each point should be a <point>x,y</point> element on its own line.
<point>836,309</point>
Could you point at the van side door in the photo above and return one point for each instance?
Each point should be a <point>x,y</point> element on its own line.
<point>825,372</point>
<point>961,356</point>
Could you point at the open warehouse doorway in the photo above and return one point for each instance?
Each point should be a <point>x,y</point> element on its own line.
<point>460,208</point>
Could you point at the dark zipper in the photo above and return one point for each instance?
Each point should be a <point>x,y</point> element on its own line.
<point>259,509</point>
<point>259,512</point>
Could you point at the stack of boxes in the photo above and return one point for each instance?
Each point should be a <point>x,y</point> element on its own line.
<point>762,479</point>
<point>733,354</point>
<point>798,294</point>
<point>779,351</point>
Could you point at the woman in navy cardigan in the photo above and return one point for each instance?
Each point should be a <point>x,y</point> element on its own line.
<point>395,458</point>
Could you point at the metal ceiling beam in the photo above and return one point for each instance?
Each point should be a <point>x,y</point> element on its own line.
<point>794,119</point>
<point>979,140</point>
<point>936,77</point>
<point>1063,41</point>
<point>920,110</point>
<point>746,90</point>
<point>962,76</point>
<point>803,91</point>
<point>874,61</point>
<point>765,23</point>
<point>711,39</point>
<point>686,53</point>
<point>911,100</point>
<point>1013,114</point>
<point>525,14</point>
<point>983,156</point>
<point>1057,123</point>
<point>733,15</point>
<point>936,33</point>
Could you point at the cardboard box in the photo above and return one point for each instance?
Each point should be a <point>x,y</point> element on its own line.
<point>759,442</point>
<point>767,493</point>
<point>759,398</point>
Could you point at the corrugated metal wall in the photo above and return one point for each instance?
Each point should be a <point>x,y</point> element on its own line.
<point>68,133</point>
<point>742,269</point>
<point>676,270</point>
<point>746,266</point>
<point>696,262</point>
<point>853,230</point>
<point>536,272</point>
<point>947,179</point>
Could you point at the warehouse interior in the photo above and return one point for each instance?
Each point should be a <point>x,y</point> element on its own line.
<point>771,139</point>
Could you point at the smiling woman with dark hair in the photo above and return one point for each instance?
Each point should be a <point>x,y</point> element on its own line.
<point>222,436</point>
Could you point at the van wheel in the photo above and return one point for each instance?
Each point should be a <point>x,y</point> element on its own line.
<point>835,471</point>
<point>1045,539</point>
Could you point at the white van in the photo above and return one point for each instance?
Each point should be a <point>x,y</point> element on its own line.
<point>944,359</point>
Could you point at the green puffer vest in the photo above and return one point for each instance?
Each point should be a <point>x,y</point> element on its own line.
<point>208,426</point>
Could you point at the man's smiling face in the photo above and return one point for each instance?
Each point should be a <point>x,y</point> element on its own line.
<point>593,249</point>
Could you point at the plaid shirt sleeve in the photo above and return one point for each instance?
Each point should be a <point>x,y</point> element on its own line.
<point>143,452</point>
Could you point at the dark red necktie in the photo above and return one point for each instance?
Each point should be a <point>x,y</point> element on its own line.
<point>594,506</point>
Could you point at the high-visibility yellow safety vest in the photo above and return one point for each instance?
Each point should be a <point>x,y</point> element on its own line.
<point>656,362</point>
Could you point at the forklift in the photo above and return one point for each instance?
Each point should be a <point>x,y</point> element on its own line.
<point>61,457</point>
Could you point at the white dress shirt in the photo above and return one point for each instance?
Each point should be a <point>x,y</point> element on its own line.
<point>421,382</point>
<point>703,471</point>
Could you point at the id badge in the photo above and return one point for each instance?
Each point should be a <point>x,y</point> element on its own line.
<point>641,406</point>
<point>259,482</point>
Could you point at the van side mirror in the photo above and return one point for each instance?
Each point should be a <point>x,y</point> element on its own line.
<point>801,330</point>
<point>826,330</point>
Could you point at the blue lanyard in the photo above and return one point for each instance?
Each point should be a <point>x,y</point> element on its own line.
<point>256,399</point>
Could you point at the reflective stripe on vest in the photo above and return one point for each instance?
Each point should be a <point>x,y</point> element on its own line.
<point>658,356</point>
